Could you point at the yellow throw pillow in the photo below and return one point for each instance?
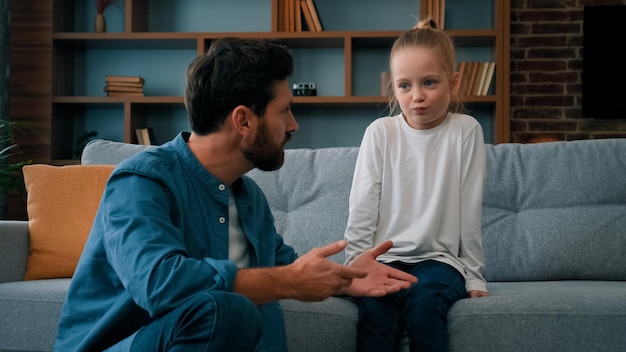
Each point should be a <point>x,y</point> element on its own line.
<point>62,204</point>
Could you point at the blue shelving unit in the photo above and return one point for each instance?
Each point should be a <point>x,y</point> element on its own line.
<point>158,39</point>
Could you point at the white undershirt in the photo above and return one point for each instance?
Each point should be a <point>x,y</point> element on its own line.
<point>237,242</point>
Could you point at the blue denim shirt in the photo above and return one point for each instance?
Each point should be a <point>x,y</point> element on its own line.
<point>159,236</point>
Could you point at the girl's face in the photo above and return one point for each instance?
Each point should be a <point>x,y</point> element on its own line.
<point>422,87</point>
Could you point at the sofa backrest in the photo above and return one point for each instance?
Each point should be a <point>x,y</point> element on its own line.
<point>309,195</point>
<point>555,211</point>
<point>551,211</point>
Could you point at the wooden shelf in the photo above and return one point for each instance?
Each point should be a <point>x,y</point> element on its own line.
<point>326,101</point>
<point>69,48</point>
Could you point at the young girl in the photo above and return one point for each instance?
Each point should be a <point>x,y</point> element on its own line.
<point>419,181</point>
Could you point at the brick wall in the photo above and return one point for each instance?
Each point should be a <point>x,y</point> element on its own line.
<point>546,71</point>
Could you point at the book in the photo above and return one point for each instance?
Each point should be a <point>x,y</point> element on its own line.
<point>307,16</point>
<point>480,78</point>
<point>467,78</point>
<point>473,72</point>
<point>125,84</point>
<point>428,7</point>
<point>488,77</point>
<point>125,94</point>
<point>139,135</point>
<point>115,88</point>
<point>280,16</point>
<point>298,15</point>
<point>147,136</point>
<point>442,13</point>
<point>134,79</point>
<point>316,20</point>
<point>289,15</point>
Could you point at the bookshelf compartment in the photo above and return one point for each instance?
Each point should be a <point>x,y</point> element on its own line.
<point>85,12</point>
<point>470,15</point>
<point>367,64</point>
<point>73,120</point>
<point>322,67</point>
<point>209,16</point>
<point>165,121</point>
<point>331,127</point>
<point>169,16</point>
<point>358,15</point>
<point>163,69</point>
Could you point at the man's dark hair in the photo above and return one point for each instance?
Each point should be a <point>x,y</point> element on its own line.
<point>233,72</point>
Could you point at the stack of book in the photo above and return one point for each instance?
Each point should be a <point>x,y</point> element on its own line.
<point>117,86</point>
<point>293,15</point>
<point>476,77</point>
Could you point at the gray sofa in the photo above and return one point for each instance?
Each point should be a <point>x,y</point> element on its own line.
<point>554,232</point>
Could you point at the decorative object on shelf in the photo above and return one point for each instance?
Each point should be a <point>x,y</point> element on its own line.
<point>304,89</point>
<point>100,23</point>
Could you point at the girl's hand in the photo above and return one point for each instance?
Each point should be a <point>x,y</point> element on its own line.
<point>476,293</point>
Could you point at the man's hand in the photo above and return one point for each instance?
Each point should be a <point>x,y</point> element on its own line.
<point>477,293</point>
<point>313,277</point>
<point>316,278</point>
<point>381,279</point>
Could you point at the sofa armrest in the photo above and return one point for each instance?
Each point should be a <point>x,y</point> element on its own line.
<point>14,241</point>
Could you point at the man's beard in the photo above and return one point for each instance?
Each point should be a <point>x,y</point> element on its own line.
<point>264,154</point>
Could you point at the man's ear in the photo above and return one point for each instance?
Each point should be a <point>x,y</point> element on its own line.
<point>243,119</point>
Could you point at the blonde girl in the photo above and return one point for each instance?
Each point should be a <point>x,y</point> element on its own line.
<point>419,181</point>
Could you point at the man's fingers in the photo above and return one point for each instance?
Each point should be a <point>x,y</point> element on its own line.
<point>332,249</point>
<point>348,272</point>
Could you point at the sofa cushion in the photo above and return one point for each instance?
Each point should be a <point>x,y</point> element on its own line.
<point>62,203</point>
<point>555,211</point>
<point>30,313</point>
<point>577,315</point>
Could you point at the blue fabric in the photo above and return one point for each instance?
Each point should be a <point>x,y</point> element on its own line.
<point>216,321</point>
<point>159,237</point>
<point>420,311</point>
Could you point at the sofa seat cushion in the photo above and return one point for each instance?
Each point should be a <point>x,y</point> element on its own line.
<point>517,317</point>
<point>333,319</point>
<point>30,313</point>
<point>542,316</point>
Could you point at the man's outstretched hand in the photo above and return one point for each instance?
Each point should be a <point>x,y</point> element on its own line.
<point>381,279</point>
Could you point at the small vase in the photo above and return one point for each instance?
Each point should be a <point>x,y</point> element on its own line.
<point>100,24</point>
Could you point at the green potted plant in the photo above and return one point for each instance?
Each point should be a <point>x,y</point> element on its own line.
<point>11,180</point>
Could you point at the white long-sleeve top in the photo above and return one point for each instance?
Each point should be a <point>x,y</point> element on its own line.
<point>423,190</point>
